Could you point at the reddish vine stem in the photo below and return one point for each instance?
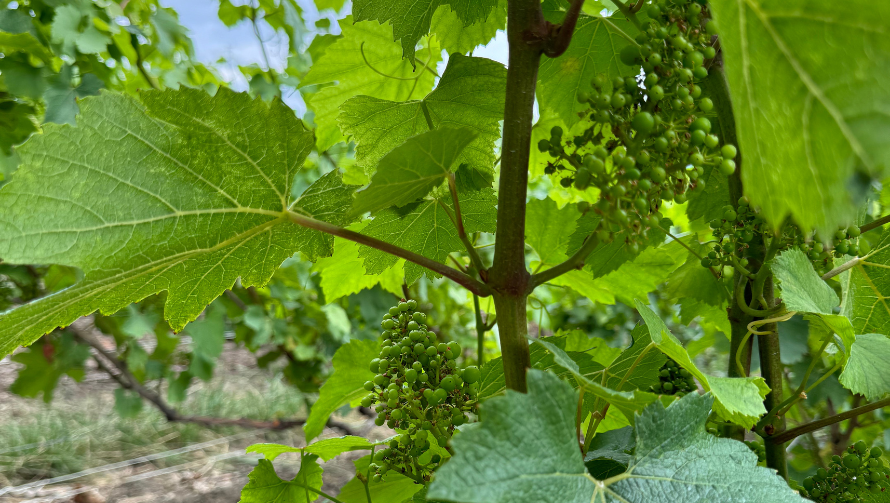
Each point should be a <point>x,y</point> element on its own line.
<point>828,421</point>
<point>876,224</point>
<point>477,287</point>
<point>562,37</point>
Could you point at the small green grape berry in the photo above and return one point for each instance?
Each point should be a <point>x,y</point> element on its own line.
<point>544,145</point>
<point>583,177</point>
<point>643,123</point>
<point>403,306</point>
<point>471,374</point>
<point>701,123</point>
<point>583,96</point>
<point>851,461</point>
<point>728,151</point>
<point>431,351</point>
<point>388,324</point>
<point>658,174</point>
<point>727,167</point>
<point>656,93</point>
<point>601,152</point>
<point>854,231</point>
<point>706,104</point>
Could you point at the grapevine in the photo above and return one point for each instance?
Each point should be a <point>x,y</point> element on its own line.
<point>849,478</point>
<point>663,138</point>
<point>420,392</point>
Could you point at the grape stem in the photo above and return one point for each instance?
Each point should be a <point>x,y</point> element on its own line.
<point>561,35</point>
<point>828,421</point>
<point>876,224</point>
<point>458,277</point>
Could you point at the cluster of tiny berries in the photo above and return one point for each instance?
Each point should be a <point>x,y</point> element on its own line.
<point>419,390</point>
<point>674,380</point>
<point>738,226</point>
<point>855,477</point>
<point>662,139</point>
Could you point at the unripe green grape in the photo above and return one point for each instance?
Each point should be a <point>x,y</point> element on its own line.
<point>655,59</point>
<point>641,204</point>
<point>543,145</point>
<point>711,141</point>
<point>677,104</point>
<point>650,80</point>
<point>709,52</point>
<point>643,123</point>
<point>694,59</point>
<point>700,72</point>
<point>583,96</point>
<point>431,351</point>
<point>696,159</point>
<point>471,374</point>
<point>388,324</point>
<point>701,123</point>
<point>603,101</point>
<point>854,231</point>
<point>706,104</point>
<point>658,174</point>
<point>711,27</point>
<point>556,132</point>
<point>698,137</point>
<point>629,55</point>
<point>656,93</point>
<point>653,11</point>
<point>601,152</point>
<point>618,100</point>
<point>728,151</point>
<point>632,174</point>
<point>727,167</point>
<point>617,190</point>
<point>582,178</point>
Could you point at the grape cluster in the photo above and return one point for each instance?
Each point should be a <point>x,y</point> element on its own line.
<point>736,229</point>
<point>662,136</point>
<point>419,390</point>
<point>674,380</point>
<point>849,478</point>
<point>757,448</point>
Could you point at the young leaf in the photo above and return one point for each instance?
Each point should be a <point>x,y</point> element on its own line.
<point>343,273</point>
<point>867,371</point>
<point>364,61</point>
<point>866,288</point>
<point>184,192</point>
<point>497,462</point>
<point>628,403</point>
<point>802,288</point>
<point>44,365</point>
<point>394,486</point>
<point>456,37</point>
<point>739,400</point>
<point>412,170</point>
<point>593,51</point>
<point>427,228</point>
<point>470,95</point>
<point>804,291</point>
<point>346,385</point>
<point>265,485</point>
<point>326,449</point>
<point>796,121</point>
<point>411,19</point>
<point>548,227</point>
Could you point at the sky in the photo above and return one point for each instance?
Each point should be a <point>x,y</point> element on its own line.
<point>239,46</point>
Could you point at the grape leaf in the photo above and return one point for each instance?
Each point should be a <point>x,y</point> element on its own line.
<point>340,273</point>
<point>183,192</point>
<point>43,366</point>
<point>692,281</point>
<point>496,461</point>
<point>824,130</point>
<point>804,291</point>
<point>802,288</point>
<point>393,487</point>
<point>411,19</point>
<point>456,37</point>
<point>363,61</point>
<point>593,51</point>
<point>628,402</point>
<point>867,371</point>
<point>11,43</point>
<point>326,449</point>
<point>265,485</point>
<point>547,229</point>
<point>739,400</point>
<point>346,385</point>
<point>426,228</point>
<point>413,169</point>
<point>470,95</point>
<point>866,289</point>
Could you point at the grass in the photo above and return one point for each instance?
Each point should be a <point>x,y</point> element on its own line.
<point>69,436</point>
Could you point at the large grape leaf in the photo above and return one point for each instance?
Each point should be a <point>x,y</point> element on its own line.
<point>737,399</point>
<point>345,386</point>
<point>456,37</point>
<point>470,95</point>
<point>182,192</point>
<point>364,61</point>
<point>499,461</point>
<point>265,485</point>
<point>413,169</point>
<point>809,82</point>
<point>426,228</point>
<point>410,19</point>
<point>593,51</point>
<point>867,371</point>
